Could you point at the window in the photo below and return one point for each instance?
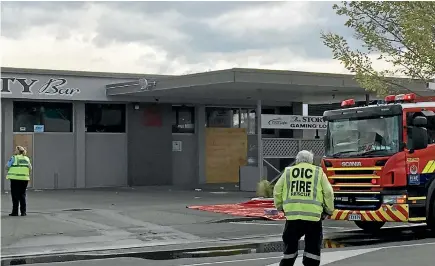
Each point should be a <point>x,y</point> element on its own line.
<point>222,117</point>
<point>56,117</point>
<point>236,118</point>
<point>108,118</point>
<point>430,116</point>
<point>363,137</point>
<point>183,119</point>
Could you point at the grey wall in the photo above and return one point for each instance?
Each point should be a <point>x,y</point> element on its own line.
<point>106,159</point>
<point>53,160</point>
<point>7,138</point>
<point>149,148</point>
<point>185,163</point>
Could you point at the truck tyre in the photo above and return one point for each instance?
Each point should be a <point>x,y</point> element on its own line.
<point>430,207</point>
<point>430,219</point>
<point>370,227</point>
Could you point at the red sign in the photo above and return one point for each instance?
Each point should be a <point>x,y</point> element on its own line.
<point>413,165</point>
<point>152,117</point>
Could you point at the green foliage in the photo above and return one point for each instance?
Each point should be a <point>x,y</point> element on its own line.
<point>401,33</point>
<point>264,189</point>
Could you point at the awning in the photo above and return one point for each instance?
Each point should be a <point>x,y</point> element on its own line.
<point>252,84</point>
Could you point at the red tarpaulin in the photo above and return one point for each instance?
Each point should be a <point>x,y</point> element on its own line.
<point>254,208</point>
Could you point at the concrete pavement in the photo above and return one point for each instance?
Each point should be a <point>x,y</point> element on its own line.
<point>81,220</point>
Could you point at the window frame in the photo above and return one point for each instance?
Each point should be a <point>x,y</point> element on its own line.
<point>176,109</point>
<point>103,106</point>
<point>251,130</point>
<point>64,106</point>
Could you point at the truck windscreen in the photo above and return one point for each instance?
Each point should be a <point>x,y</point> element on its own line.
<point>363,137</point>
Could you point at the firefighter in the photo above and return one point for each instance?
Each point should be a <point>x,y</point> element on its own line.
<point>18,168</point>
<point>305,195</point>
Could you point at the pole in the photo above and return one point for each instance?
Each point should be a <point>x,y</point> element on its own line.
<point>259,140</point>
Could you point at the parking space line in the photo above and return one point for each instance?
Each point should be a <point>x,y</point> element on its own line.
<point>232,261</point>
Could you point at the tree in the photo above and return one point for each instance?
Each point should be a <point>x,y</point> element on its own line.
<point>401,33</point>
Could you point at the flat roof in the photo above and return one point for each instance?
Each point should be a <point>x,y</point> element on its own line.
<point>243,83</point>
<point>38,71</point>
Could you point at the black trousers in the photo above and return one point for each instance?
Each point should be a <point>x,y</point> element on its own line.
<point>18,193</point>
<point>293,232</point>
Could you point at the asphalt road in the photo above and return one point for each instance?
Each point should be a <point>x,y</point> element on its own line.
<point>416,253</point>
<point>111,219</point>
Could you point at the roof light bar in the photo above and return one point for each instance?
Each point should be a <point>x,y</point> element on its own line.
<point>348,103</point>
<point>390,98</point>
<point>410,97</point>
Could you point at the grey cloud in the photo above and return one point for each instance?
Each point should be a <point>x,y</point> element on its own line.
<point>190,9</point>
<point>186,35</point>
<point>17,17</point>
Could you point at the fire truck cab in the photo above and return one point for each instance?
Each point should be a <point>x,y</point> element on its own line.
<point>380,160</point>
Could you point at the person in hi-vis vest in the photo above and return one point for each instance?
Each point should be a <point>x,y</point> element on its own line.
<point>305,195</point>
<point>18,168</point>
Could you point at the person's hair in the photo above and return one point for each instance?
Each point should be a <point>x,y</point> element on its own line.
<point>305,157</point>
<point>21,150</point>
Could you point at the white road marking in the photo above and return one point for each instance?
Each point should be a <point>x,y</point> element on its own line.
<point>342,229</point>
<point>231,261</point>
<point>327,257</point>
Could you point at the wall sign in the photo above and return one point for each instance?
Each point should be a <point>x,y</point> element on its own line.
<point>38,128</point>
<point>292,122</point>
<point>177,145</point>
<point>152,117</point>
<point>51,86</point>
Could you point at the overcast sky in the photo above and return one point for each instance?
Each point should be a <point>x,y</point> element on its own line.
<point>168,37</point>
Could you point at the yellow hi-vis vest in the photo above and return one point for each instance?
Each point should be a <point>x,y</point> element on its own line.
<point>20,169</point>
<point>302,192</point>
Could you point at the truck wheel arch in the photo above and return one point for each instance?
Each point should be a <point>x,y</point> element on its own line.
<point>430,201</point>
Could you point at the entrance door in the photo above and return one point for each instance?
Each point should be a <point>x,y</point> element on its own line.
<point>226,151</point>
<point>26,140</point>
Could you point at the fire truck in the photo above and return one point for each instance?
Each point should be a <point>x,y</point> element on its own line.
<point>380,161</point>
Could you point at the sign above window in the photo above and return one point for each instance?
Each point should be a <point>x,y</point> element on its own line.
<point>292,122</point>
<point>49,87</point>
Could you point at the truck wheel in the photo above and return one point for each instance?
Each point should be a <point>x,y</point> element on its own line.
<point>431,216</point>
<point>370,227</point>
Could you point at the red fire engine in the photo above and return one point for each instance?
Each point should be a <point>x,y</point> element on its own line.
<point>380,160</point>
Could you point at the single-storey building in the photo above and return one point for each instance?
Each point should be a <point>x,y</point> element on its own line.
<point>89,129</point>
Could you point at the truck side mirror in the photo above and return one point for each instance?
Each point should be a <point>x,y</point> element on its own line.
<point>418,139</point>
<point>419,121</point>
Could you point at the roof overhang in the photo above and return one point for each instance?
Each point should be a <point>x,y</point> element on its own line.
<point>251,84</point>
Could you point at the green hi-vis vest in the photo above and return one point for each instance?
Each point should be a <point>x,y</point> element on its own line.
<point>20,169</point>
<point>302,193</point>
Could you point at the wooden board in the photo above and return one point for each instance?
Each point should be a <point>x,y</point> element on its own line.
<point>25,140</point>
<point>226,150</point>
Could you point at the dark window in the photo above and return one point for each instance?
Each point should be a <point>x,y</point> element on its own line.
<point>430,124</point>
<point>55,117</point>
<point>109,118</point>
<point>431,128</point>
<point>183,119</point>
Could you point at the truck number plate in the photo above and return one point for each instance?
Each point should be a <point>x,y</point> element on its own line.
<point>354,217</point>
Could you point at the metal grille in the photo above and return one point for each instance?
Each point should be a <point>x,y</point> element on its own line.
<point>288,148</point>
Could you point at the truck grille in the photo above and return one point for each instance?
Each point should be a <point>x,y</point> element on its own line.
<point>354,189</point>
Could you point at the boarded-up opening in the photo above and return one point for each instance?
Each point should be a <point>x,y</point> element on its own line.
<point>25,140</point>
<point>226,151</point>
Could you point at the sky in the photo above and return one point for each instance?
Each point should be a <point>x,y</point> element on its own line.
<point>172,38</point>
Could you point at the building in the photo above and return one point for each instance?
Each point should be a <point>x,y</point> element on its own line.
<point>88,129</point>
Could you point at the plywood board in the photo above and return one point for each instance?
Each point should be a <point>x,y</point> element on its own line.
<point>25,140</point>
<point>226,150</point>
